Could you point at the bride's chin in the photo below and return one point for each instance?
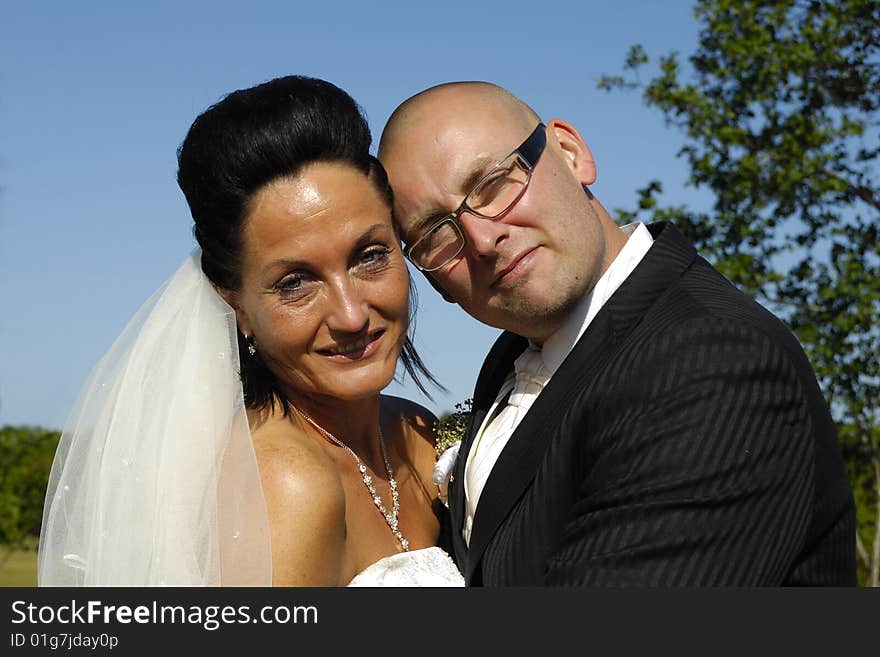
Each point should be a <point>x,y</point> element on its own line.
<point>348,387</point>
<point>368,390</point>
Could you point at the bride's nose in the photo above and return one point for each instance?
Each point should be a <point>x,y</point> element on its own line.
<point>349,310</point>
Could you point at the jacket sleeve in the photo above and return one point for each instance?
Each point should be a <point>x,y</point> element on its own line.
<point>703,474</point>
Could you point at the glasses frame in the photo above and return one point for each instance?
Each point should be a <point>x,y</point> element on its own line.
<point>529,152</point>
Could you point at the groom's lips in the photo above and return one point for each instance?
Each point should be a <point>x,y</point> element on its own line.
<point>516,267</point>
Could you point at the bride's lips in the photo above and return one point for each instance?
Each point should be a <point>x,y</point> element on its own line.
<point>354,350</point>
<point>515,268</point>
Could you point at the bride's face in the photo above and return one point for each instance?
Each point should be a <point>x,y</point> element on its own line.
<point>324,284</point>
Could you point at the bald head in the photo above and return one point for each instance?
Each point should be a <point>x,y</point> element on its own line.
<point>453,99</point>
<point>459,127</point>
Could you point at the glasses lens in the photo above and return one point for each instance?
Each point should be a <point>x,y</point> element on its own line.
<point>438,247</point>
<point>500,188</point>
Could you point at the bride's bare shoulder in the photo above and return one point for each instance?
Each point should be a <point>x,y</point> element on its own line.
<point>305,501</point>
<point>415,418</point>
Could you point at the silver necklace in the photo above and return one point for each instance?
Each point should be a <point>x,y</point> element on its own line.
<point>390,518</point>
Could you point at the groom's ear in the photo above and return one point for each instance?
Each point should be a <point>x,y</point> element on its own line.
<point>438,287</point>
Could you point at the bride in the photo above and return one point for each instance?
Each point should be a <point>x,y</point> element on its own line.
<point>235,433</point>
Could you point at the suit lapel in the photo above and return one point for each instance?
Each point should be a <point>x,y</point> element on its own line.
<point>668,257</point>
<point>497,364</point>
<point>518,462</point>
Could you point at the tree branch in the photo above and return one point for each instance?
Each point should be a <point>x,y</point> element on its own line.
<point>875,564</point>
<point>811,307</point>
<point>862,192</point>
<point>863,553</point>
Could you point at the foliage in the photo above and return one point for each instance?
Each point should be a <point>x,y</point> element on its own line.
<point>19,568</point>
<point>451,426</point>
<point>779,112</point>
<point>27,454</point>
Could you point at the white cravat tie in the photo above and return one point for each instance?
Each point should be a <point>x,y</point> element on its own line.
<point>531,377</point>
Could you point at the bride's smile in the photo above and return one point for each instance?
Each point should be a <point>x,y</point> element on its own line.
<point>361,348</point>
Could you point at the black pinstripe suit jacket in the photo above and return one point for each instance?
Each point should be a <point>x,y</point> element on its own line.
<point>683,442</point>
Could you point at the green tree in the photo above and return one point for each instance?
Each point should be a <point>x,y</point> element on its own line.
<point>26,455</point>
<point>778,105</point>
<point>451,426</point>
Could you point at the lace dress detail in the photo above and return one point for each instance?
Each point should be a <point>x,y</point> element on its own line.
<point>426,567</point>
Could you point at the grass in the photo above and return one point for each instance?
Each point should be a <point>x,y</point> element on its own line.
<point>19,569</point>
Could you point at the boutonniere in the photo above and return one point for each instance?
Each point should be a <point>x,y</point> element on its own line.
<point>450,430</point>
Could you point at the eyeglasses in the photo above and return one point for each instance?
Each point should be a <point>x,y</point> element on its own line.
<point>491,197</point>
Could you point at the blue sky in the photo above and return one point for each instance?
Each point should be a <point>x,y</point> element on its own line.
<point>96,96</point>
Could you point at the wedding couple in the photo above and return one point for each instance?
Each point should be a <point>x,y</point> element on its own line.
<point>639,422</point>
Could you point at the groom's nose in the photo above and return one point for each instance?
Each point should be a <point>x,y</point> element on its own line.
<point>483,235</point>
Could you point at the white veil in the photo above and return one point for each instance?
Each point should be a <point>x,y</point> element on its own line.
<point>155,480</point>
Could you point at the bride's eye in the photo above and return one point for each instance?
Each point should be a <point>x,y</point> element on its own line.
<point>374,257</point>
<point>294,285</point>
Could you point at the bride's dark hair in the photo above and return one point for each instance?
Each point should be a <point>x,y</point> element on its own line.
<point>248,139</point>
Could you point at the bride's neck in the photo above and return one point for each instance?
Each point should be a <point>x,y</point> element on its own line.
<point>354,422</point>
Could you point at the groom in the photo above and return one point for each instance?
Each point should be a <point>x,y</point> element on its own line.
<point>640,422</point>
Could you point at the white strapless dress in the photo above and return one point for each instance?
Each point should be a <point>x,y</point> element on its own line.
<point>426,567</point>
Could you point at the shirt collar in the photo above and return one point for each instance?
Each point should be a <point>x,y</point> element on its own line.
<point>557,347</point>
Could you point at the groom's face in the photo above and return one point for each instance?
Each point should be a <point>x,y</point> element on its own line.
<point>524,270</point>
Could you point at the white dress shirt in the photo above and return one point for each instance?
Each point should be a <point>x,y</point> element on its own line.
<point>486,448</point>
